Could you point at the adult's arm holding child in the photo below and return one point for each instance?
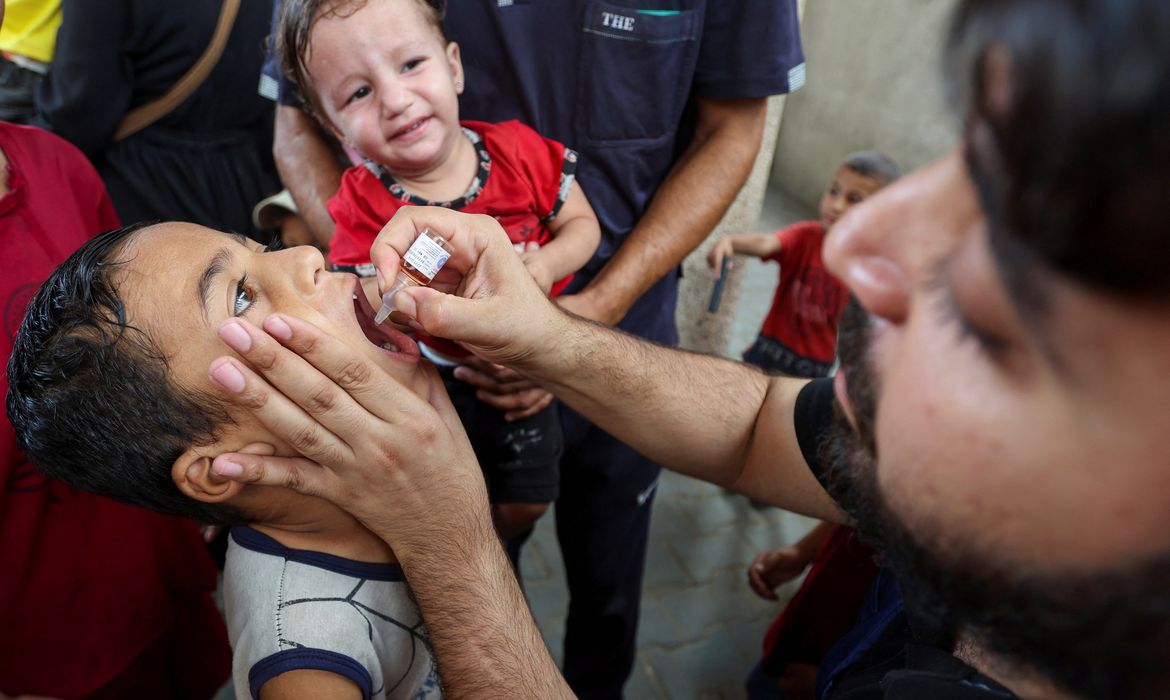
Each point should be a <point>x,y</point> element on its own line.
<point>686,208</point>
<point>307,167</point>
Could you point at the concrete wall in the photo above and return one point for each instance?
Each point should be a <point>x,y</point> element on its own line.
<point>874,81</point>
<point>710,332</point>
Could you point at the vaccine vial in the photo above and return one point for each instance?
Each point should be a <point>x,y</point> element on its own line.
<point>422,261</point>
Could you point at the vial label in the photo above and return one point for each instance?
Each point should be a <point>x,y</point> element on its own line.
<point>426,256</point>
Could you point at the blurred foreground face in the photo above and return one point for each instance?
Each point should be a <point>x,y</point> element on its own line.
<point>1033,440</point>
<point>1006,380</point>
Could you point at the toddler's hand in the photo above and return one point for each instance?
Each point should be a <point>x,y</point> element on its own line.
<point>503,388</point>
<point>720,250</point>
<point>534,262</point>
<point>774,567</point>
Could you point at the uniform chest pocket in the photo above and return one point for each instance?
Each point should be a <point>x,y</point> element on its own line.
<point>635,72</point>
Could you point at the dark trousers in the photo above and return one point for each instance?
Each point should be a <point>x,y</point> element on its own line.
<point>603,523</point>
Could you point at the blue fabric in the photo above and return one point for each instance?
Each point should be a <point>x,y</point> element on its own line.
<point>614,82</point>
<point>257,541</point>
<point>882,604</point>
<point>309,659</point>
<point>760,686</point>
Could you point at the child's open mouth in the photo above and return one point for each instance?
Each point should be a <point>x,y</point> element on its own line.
<point>392,341</point>
<point>409,130</point>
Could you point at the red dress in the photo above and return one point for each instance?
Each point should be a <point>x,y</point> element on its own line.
<point>95,596</point>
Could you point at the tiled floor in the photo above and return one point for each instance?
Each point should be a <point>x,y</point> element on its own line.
<point>701,627</point>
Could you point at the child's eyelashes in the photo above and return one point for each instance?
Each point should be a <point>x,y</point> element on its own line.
<point>412,64</point>
<point>244,298</point>
<point>358,94</point>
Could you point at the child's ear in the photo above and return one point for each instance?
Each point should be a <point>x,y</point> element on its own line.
<point>192,473</point>
<point>456,63</point>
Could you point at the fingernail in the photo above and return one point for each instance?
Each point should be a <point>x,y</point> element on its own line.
<point>277,327</point>
<point>226,375</point>
<point>235,336</point>
<point>228,469</point>
<point>406,304</point>
<point>381,279</point>
<point>460,373</point>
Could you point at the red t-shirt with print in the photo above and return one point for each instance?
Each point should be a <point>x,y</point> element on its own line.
<point>523,180</point>
<point>809,299</point>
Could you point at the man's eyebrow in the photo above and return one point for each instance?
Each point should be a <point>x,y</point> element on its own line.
<point>222,257</point>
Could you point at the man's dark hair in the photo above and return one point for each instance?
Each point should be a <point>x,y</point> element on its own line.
<point>91,398</point>
<point>294,29</point>
<point>1071,154</point>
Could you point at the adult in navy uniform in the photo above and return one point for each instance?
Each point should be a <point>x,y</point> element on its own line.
<point>666,107</point>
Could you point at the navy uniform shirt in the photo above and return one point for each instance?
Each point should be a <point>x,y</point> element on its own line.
<point>613,81</point>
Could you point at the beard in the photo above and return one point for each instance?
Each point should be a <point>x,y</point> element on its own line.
<point>1100,635</point>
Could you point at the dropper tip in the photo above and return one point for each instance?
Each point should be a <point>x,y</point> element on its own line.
<point>383,314</point>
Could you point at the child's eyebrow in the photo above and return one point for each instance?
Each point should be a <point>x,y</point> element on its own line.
<point>222,257</point>
<point>214,268</point>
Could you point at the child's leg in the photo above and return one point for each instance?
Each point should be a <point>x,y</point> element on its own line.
<point>523,460</point>
<point>520,459</point>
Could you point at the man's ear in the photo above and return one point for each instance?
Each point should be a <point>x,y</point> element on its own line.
<point>192,473</point>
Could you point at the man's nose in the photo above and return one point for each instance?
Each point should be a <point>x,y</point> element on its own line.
<point>887,244</point>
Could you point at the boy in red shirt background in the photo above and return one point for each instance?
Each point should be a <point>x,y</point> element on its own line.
<point>799,335</point>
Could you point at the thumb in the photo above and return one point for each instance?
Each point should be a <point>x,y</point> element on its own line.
<point>296,473</point>
<point>442,315</point>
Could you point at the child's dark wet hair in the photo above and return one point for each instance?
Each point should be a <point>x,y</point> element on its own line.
<point>295,27</point>
<point>91,398</point>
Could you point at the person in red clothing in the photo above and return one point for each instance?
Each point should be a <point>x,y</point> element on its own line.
<point>392,97</point>
<point>97,599</point>
<point>799,338</point>
<point>799,335</point>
